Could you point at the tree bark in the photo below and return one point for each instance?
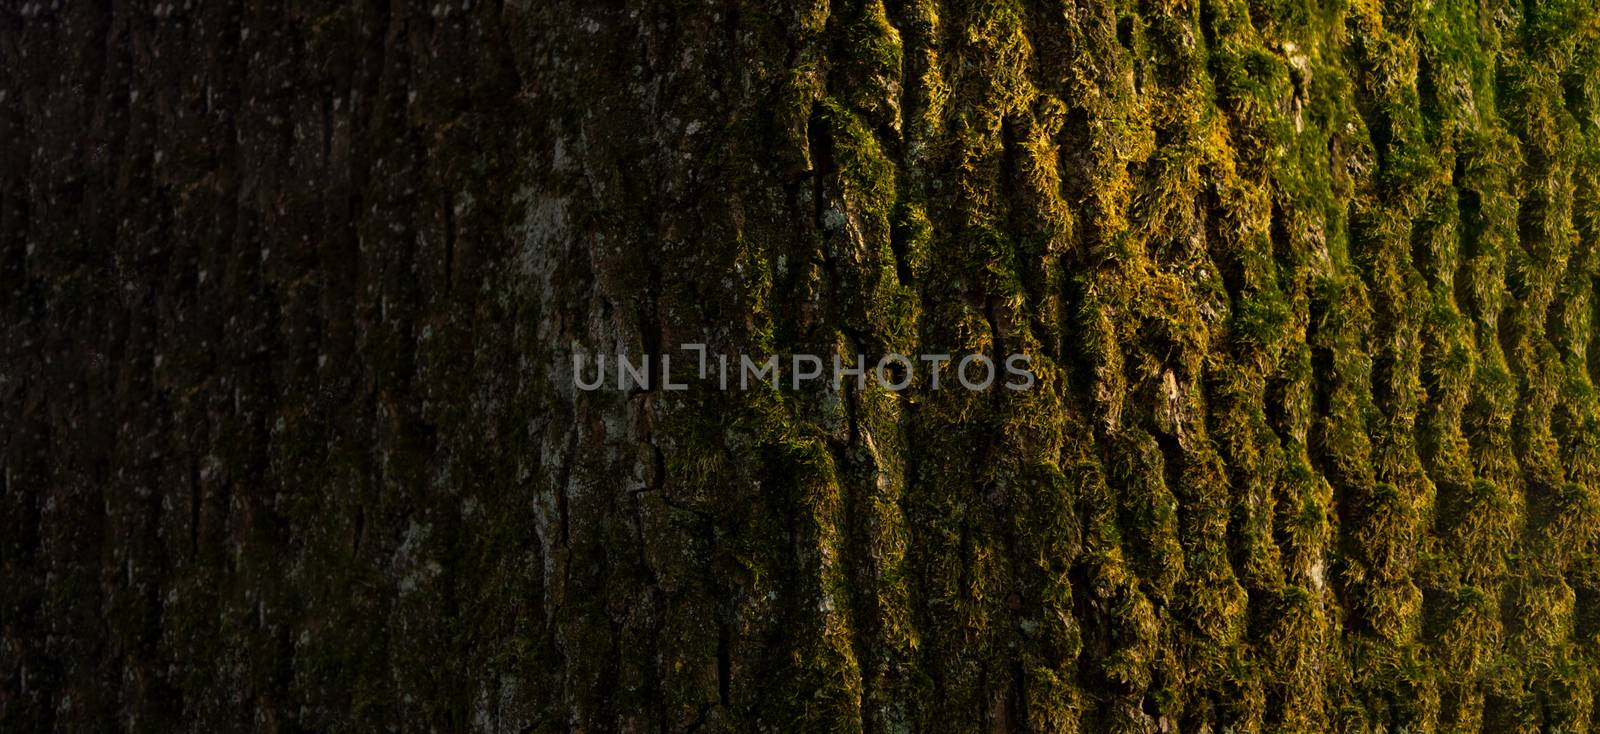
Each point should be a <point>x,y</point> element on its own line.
<point>291,439</point>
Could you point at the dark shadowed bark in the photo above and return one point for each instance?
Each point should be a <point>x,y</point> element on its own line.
<point>290,293</point>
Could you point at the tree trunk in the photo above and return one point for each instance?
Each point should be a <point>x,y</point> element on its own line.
<point>291,437</point>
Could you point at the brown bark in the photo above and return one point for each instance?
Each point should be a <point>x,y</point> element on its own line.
<point>290,439</point>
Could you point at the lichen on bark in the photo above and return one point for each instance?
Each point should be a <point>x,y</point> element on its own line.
<point>290,439</point>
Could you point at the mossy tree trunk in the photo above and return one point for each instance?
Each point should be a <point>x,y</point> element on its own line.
<point>290,440</point>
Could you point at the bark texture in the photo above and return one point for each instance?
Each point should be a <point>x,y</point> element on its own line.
<point>289,294</point>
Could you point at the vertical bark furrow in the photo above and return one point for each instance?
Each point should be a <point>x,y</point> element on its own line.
<point>291,438</point>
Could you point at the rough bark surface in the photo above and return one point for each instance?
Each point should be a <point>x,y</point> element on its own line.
<point>290,442</point>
